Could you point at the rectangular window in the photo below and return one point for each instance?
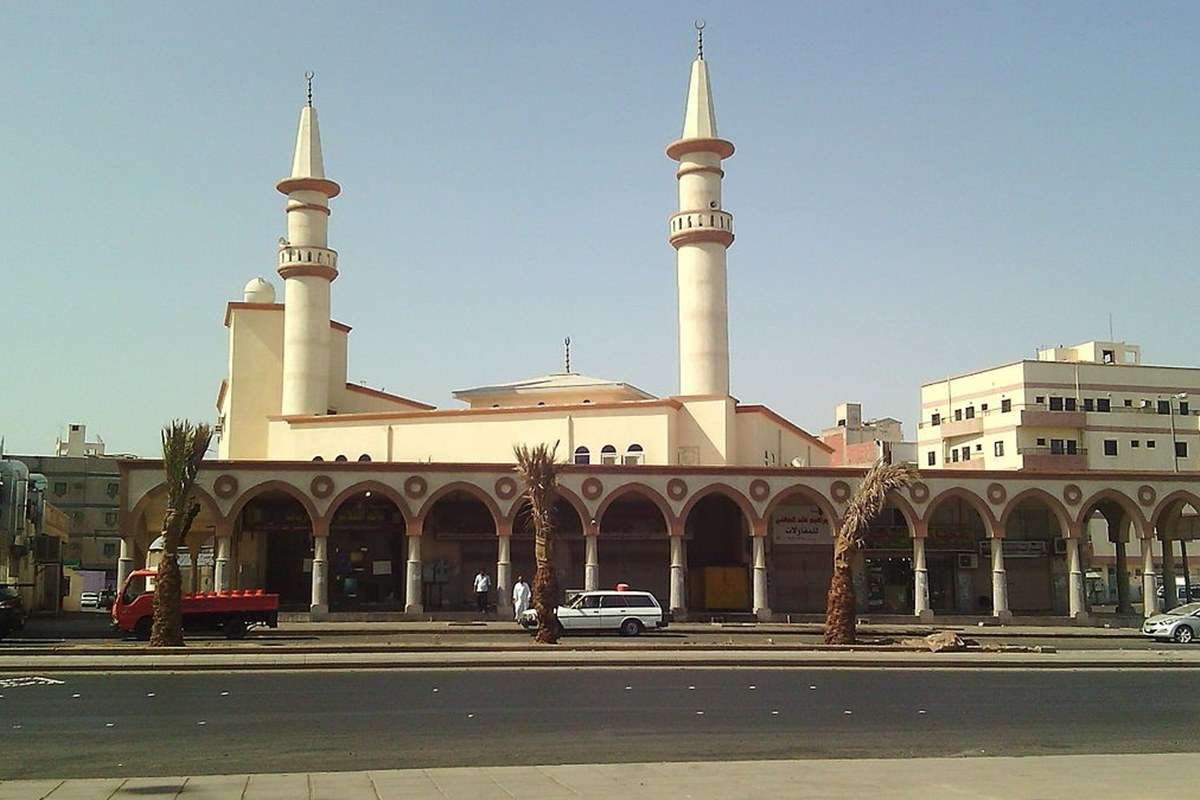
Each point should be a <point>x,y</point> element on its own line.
<point>1040,400</point>
<point>1110,447</point>
<point>1164,406</point>
<point>1057,447</point>
<point>1181,449</point>
<point>1089,404</point>
<point>998,449</point>
<point>1184,410</point>
<point>1129,403</point>
<point>936,419</point>
<point>110,550</point>
<point>1072,447</point>
<point>966,454</point>
<point>1134,443</point>
<point>110,518</point>
<point>60,488</point>
<point>1150,443</point>
<point>1005,406</point>
<point>958,415</point>
<point>1041,442</point>
<point>978,448</point>
<point>1103,404</point>
<point>983,408</point>
<point>1056,404</point>
<point>931,459</point>
<point>954,455</point>
<point>970,412</point>
<point>1069,404</point>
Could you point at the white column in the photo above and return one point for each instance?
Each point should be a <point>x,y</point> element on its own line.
<point>591,563</point>
<point>124,561</point>
<point>320,578</point>
<point>1075,582</point>
<point>920,580</point>
<point>221,572</point>
<point>999,582</point>
<point>762,608</point>
<point>1150,605</point>
<point>413,602</point>
<point>504,584</point>
<point>678,603</point>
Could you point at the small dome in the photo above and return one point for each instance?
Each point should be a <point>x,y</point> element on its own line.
<point>259,291</point>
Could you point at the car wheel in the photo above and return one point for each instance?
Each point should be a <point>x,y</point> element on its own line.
<point>142,629</point>
<point>235,628</point>
<point>1184,634</point>
<point>631,627</point>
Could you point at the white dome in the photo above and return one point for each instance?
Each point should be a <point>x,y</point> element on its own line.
<point>259,291</point>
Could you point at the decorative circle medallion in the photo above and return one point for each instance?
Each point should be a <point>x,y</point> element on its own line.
<point>840,491</point>
<point>996,493</point>
<point>321,486</point>
<point>506,488</point>
<point>1146,495</point>
<point>919,492</point>
<point>415,486</point>
<point>592,488</point>
<point>1072,494</point>
<point>677,488</point>
<point>759,489</point>
<point>225,486</point>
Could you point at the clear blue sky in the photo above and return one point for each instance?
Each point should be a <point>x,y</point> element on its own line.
<point>919,189</point>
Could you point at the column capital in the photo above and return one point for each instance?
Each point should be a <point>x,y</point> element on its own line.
<point>320,526</point>
<point>224,528</point>
<point>504,527</point>
<point>414,527</point>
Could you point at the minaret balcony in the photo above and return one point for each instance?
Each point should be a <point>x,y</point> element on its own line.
<point>687,227</point>
<point>299,260</point>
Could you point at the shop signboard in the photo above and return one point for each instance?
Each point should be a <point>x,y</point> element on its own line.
<point>1017,548</point>
<point>800,524</point>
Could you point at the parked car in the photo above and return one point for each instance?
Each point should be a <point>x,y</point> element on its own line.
<point>12,610</point>
<point>89,599</point>
<point>628,612</point>
<point>1180,624</point>
<point>1180,592</point>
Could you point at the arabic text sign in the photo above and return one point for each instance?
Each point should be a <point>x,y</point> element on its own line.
<point>800,524</point>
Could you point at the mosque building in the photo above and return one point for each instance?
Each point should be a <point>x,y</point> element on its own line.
<point>344,498</point>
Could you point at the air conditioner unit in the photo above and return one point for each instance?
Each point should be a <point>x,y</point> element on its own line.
<point>1143,404</point>
<point>1060,547</point>
<point>968,561</point>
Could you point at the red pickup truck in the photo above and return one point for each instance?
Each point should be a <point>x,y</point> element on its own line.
<point>232,612</point>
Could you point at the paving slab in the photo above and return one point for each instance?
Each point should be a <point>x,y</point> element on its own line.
<point>282,786</point>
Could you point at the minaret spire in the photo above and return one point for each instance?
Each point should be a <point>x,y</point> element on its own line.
<point>308,266</point>
<point>701,231</point>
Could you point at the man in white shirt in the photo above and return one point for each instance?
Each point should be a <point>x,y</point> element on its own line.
<point>521,597</point>
<point>483,585</point>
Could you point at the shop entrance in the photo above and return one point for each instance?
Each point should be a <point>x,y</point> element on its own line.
<point>366,555</point>
<point>717,556</point>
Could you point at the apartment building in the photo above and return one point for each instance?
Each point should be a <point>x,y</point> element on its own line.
<point>1094,406</point>
<point>857,442</point>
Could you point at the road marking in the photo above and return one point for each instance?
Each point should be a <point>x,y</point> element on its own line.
<point>149,694</point>
<point>109,724</point>
<point>28,680</point>
<point>847,711</point>
<point>700,713</point>
<point>774,713</point>
<point>752,687</point>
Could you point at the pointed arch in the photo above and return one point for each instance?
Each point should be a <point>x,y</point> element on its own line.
<point>669,519</point>
<point>753,521</point>
<point>1164,505</point>
<point>1065,524</point>
<point>574,500</point>
<point>1121,499</point>
<point>283,487</point>
<point>390,492</point>
<point>970,498</point>
<point>206,501</point>
<point>467,488</point>
<point>808,493</point>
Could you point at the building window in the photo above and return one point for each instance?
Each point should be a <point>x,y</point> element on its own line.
<point>1110,447</point>
<point>1181,449</point>
<point>1150,443</point>
<point>1072,447</point>
<point>970,412</point>
<point>1134,443</point>
<point>1069,404</point>
<point>110,518</point>
<point>317,458</point>
<point>966,454</point>
<point>364,457</point>
<point>634,454</point>
<point>60,488</point>
<point>998,449</point>
<point>1056,404</point>
<point>1103,404</point>
<point>1057,447</point>
<point>1184,410</point>
<point>978,448</point>
<point>1041,442</point>
<point>1108,356</point>
<point>1164,406</point>
<point>954,455</point>
<point>110,550</point>
<point>583,455</point>
<point>340,458</point>
<point>608,454</point>
<point>1089,404</point>
<point>936,419</point>
<point>1005,406</point>
<point>1128,403</point>
<point>114,489</point>
<point>931,458</point>
<point>983,408</point>
<point>1040,399</point>
<point>958,415</point>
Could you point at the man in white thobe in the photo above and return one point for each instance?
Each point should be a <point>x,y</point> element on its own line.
<point>522,594</point>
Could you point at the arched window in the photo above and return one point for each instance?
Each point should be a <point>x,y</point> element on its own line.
<point>634,454</point>
<point>583,455</point>
<point>340,458</point>
<point>608,454</point>
<point>364,457</point>
<point>317,458</point>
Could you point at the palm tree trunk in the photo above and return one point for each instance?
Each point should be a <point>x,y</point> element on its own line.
<point>167,630</point>
<point>841,618</point>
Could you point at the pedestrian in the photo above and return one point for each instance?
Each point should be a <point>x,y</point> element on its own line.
<point>483,585</point>
<point>522,594</point>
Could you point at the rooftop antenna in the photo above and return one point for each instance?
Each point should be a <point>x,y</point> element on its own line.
<point>308,78</point>
<point>699,39</point>
<point>567,349</point>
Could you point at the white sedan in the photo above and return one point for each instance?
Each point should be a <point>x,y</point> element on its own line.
<point>1180,624</point>
<point>629,612</point>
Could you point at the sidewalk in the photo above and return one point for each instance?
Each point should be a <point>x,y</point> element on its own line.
<point>554,657</point>
<point>1046,777</point>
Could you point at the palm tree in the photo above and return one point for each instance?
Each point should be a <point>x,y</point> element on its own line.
<point>184,446</point>
<point>539,473</point>
<point>863,508</point>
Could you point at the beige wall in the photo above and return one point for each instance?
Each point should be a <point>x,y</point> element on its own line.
<point>255,381</point>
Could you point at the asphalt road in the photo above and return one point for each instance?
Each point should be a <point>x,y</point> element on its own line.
<point>194,723</point>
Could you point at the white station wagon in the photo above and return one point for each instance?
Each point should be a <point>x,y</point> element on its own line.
<point>627,611</point>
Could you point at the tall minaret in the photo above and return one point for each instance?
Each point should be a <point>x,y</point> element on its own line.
<point>700,232</point>
<point>307,267</point>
